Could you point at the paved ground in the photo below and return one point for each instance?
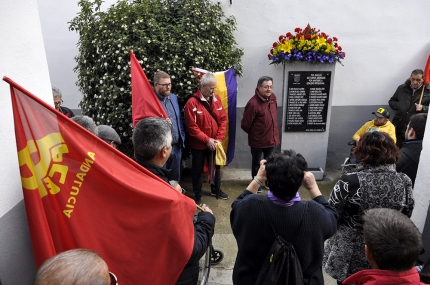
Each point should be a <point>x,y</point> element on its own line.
<point>234,181</point>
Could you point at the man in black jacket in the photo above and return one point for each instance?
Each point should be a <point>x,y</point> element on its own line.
<point>152,140</point>
<point>411,148</point>
<point>406,101</point>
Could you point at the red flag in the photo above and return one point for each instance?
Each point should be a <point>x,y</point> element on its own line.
<point>79,192</point>
<point>145,102</point>
<point>427,72</point>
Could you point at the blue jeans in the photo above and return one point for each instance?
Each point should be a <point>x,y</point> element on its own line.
<point>174,162</point>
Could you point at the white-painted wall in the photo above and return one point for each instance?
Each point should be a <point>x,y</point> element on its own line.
<point>22,59</point>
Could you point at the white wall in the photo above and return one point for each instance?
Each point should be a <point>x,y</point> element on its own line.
<point>22,59</point>
<point>422,182</point>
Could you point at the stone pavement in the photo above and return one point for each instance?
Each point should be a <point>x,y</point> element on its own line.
<point>234,181</point>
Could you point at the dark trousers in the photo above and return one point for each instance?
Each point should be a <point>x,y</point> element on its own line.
<point>174,162</point>
<point>256,157</point>
<point>198,161</point>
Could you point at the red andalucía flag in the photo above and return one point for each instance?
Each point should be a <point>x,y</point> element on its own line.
<point>79,192</point>
<point>143,98</point>
<point>427,72</point>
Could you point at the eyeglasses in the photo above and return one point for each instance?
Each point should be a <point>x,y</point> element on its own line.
<point>165,85</point>
<point>57,102</point>
<point>267,87</point>
<point>113,279</point>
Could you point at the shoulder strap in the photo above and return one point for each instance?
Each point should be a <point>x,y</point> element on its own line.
<point>266,202</point>
<point>207,108</point>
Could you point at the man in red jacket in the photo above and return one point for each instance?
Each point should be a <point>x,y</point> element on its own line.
<point>260,122</point>
<point>206,123</point>
<point>392,245</point>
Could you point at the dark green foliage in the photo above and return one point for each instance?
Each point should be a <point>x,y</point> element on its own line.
<point>168,35</point>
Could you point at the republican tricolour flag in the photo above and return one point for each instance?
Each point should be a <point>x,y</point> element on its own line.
<point>227,91</point>
<point>79,192</point>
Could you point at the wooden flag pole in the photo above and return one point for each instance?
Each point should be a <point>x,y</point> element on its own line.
<point>422,93</point>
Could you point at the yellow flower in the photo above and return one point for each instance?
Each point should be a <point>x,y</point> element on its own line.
<point>287,46</point>
<point>321,41</point>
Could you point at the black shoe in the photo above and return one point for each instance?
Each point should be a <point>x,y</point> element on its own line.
<point>198,201</point>
<point>221,195</point>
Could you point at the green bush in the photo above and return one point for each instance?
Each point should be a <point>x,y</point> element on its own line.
<point>168,35</point>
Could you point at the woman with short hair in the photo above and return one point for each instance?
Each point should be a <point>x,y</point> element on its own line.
<point>374,184</point>
<point>305,224</point>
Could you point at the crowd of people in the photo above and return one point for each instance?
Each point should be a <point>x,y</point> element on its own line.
<point>361,235</point>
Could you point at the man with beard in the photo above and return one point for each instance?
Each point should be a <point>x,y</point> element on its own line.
<point>381,123</point>
<point>407,101</point>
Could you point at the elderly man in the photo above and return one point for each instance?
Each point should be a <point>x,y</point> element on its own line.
<point>411,149</point>
<point>87,123</point>
<point>152,140</point>
<point>381,123</point>
<point>260,122</point>
<point>58,100</point>
<point>392,245</point>
<point>406,102</point>
<point>76,266</point>
<point>206,123</point>
<point>169,101</point>
<point>109,135</point>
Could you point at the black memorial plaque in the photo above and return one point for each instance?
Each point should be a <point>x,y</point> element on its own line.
<point>307,101</point>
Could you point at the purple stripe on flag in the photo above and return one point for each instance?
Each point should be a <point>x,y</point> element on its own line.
<point>231,83</point>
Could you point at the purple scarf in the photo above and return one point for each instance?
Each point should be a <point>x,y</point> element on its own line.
<point>281,202</point>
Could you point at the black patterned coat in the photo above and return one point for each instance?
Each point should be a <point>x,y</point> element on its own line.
<point>366,188</point>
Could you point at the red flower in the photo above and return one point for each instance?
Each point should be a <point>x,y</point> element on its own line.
<point>307,28</point>
<point>281,37</point>
<point>269,56</point>
<point>289,35</point>
<point>323,35</point>
<point>329,41</point>
<point>283,41</point>
<point>271,51</point>
<point>297,30</point>
<point>308,36</point>
<point>275,44</point>
<point>339,48</point>
<point>335,44</point>
<point>335,39</point>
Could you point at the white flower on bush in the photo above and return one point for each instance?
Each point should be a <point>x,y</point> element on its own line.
<point>121,89</point>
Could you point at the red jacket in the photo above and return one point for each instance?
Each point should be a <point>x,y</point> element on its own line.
<point>386,277</point>
<point>260,121</point>
<point>200,125</point>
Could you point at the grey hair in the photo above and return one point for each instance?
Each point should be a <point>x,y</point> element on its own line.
<point>56,92</point>
<point>263,79</point>
<point>207,78</point>
<point>87,123</point>
<point>76,266</point>
<point>160,74</point>
<point>150,136</point>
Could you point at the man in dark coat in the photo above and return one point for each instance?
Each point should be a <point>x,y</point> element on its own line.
<point>152,140</point>
<point>407,101</point>
<point>260,122</point>
<point>58,101</point>
<point>411,148</point>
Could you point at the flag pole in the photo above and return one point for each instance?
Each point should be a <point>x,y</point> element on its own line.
<point>421,97</point>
